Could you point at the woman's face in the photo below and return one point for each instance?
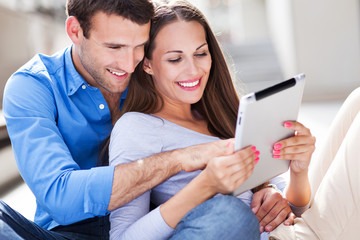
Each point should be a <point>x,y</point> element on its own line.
<point>180,63</point>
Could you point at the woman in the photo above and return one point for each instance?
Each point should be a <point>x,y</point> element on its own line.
<point>185,95</point>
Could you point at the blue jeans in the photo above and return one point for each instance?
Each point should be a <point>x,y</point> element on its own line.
<point>16,227</point>
<point>222,217</point>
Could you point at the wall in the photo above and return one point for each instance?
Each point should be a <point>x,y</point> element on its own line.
<point>24,35</point>
<point>320,38</point>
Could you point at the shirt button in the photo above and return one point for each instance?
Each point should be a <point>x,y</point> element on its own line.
<point>101,106</point>
<point>84,86</point>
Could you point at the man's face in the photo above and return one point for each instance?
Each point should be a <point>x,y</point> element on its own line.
<point>114,48</point>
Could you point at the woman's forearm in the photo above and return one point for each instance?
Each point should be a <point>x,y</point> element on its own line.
<point>298,191</point>
<point>195,193</point>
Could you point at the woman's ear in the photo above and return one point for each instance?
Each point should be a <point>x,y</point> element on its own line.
<point>147,66</point>
<point>74,30</point>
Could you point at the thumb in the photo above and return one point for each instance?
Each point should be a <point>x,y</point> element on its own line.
<point>230,147</point>
<point>256,203</point>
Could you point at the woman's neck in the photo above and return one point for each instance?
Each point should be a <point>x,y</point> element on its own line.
<point>184,116</point>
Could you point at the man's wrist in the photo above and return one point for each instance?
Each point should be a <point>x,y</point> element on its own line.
<point>261,186</point>
<point>174,160</point>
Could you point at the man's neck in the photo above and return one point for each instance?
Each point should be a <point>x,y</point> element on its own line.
<point>113,102</point>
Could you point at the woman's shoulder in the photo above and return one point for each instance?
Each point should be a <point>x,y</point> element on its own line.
<point>135,123</point>
<point>139,120</point>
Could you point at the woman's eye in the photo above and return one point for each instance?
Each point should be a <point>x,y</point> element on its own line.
<point>201,54</point>
<point>174,60</point>
<point>114,47</point>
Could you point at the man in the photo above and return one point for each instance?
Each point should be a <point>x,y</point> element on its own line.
<point>60,109</point>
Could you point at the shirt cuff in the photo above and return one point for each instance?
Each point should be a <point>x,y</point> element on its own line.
<point>162,228</point>
<point>299,210</point>
<point>98,190</point>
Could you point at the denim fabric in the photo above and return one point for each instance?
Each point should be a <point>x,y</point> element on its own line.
<point>14,226</point>
<point>222,217</point>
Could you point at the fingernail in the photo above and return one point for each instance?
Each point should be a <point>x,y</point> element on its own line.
<point>286,223</point>
<point>253,209</point>
<point>253,148</point>
<point>257,153</point>
<point>278,146</point>
<point>276,151</point>
<point>261,229</point>
<point>276,156</point>
<point>268,228</point>
<point>257,160</point>
<point>287,124</point>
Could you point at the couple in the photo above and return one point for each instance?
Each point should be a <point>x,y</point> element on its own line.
<point>182,95</point>
<point>81,92</point>
<point>60,110</point>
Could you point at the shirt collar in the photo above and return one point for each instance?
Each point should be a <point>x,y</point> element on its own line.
<point>74,79</point>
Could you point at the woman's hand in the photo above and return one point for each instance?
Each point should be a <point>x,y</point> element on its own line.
<point>226,173</point>
<point>298,148</point>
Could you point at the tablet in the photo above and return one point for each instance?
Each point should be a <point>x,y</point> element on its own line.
<point>260,121</point>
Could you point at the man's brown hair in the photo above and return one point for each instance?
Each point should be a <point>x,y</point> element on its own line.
<point>138,11</point>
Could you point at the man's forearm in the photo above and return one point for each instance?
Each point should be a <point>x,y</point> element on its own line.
<point>133,179</point>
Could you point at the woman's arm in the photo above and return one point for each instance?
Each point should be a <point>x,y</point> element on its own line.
<point>221,175</point>
<point>298,149</point>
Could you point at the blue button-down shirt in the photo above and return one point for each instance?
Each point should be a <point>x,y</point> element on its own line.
<point>57,123</point>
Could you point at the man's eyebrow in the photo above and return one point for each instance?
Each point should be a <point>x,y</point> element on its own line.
<point>109,44</point>
<point>179,51</point>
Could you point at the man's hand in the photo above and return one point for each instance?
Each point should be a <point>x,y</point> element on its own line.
<point>271,209</point>
<point>196,157</point>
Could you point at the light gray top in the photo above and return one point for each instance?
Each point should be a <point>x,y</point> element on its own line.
<point>136,136</point>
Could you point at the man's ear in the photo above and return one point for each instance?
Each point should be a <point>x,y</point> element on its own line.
<point>74,30</point>
<point>147,66</point>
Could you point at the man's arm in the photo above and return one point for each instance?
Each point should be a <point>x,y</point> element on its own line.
<point>133,179</point>
<point>62,189</point>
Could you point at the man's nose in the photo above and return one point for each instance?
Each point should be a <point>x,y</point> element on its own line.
<point>129,62</point>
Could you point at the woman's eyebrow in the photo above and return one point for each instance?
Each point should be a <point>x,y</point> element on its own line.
<point>201,46</point>
<point>179,51</point>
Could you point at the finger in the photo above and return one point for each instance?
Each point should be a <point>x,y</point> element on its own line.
<point>278,214</point>
<point>290,219</point>
<point>256,202</point>
<point>298,127</point>
<point>267,205</point>
<point>299,149</point>
<point>295,140</point>
<point>245,167</point>
<point>244,156</point>
<point>240,177</point>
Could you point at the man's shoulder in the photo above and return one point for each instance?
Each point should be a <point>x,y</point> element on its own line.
<point>45,63</point>
<point>41,70</point>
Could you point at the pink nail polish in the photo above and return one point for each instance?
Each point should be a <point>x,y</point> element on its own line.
<point>287,124</point>
<point>278,146</point>
<point>257,153</point>
<point>276,156</point>
<point>257,160</point>
<point>253,148</point>
<point>276,151</point>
